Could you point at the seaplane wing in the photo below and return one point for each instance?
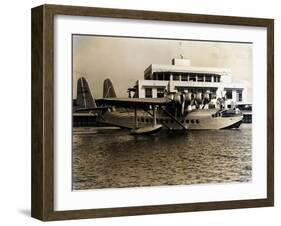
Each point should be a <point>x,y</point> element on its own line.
<point>134,102</point>
<point>96,109</point>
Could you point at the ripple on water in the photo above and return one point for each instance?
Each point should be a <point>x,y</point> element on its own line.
<point>113,158</point>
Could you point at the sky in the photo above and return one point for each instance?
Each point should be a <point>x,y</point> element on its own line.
<point>124,60</point>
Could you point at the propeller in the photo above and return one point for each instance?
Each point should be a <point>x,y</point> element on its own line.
<point>221,100</point>
<point>199,97</point>
<point>182,100</point>
<point>183,97</point>
<point>206,98</point>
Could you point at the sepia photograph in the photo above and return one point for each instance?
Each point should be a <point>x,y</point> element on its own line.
<point>160,112</point>
<point>149,112</point>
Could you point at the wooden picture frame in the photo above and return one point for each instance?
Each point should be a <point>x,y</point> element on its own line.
<point>42,204</point>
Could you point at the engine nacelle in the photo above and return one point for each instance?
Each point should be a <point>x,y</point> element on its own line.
<point>188,98</point>
<point>206,96</point>
<point>198,97</point>
<point>178,98</point>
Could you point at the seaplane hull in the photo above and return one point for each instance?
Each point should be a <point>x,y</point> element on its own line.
<point>195,120</point>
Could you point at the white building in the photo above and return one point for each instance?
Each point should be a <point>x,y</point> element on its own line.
<point>182,77</point>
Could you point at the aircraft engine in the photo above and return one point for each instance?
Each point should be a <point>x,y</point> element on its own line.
<point>198,97</point>
<point>177,98</point>
<point>188,98</point>
<point>206,96</point>
<point>181,102</point>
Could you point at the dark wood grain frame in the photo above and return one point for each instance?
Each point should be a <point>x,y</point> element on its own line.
<point>42,203</point>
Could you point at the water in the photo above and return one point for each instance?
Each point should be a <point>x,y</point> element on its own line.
<point>104,158</point>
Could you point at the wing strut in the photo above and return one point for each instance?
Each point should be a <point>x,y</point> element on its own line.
<point>146,129</point>
<point>172,117</point>
<point>136,119</point>
<point>156,120</point>
<point>154,115</point>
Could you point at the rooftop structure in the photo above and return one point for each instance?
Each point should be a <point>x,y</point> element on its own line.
<point>180,76</point>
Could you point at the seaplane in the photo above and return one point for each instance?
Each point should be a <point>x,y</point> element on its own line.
<point>174,111</point>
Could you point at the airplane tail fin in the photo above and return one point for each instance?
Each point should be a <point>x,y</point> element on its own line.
<point>108,89</point>
<point>84,96</point>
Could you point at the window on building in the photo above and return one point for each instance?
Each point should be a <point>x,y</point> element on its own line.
<point>239,96</point>
<point>160,76</point>
<point>176,77</point>
<point>212,106</point>
<point>180,89</point>
<point>208,78</point>
<point>155,76</point>
<point>216,78</point>
<point>184,77</point>
<point>228,94</point>
<point>200,78</point>
<point>148,92</point>
<point>166,77</point>
<point>192,77</point>
<point>160,92</point>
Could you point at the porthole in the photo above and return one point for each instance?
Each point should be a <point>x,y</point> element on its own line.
<point>192,121</point>
<point>197,121</point>
<point>187,121</point>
